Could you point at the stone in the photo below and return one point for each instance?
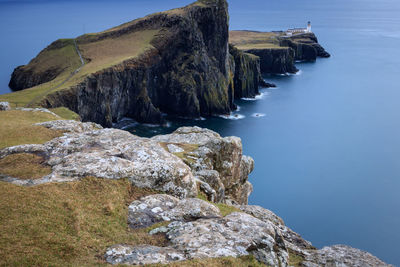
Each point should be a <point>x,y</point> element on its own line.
<point>157,208</point>
<point>4,106</point>
<point>292,239</point>
<point>215,160</point>
<point>45,110</point>
<point>70,126</point>
<point>343,256</point>
<point>141,255</point>
<point>110,154</point>
<point>237,234</point>
<point>262,214</point>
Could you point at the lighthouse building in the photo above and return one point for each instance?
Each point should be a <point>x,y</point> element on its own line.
<point>292,31</point>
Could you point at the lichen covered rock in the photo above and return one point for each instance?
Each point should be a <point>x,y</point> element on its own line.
<point>109,154</point>
<point>157,208</point>
<point>4,106</point>
<point>343,256</point>
<point>215,160</point>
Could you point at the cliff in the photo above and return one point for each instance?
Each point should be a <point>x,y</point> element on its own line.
<point>174,62</point>
<point>173,198</point>
<point>278,52</point>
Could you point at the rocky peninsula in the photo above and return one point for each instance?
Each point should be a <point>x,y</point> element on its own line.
<point>98,196</point>
<point>178,62</point>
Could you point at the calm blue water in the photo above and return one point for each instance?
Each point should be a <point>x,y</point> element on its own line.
<point>327,150</point>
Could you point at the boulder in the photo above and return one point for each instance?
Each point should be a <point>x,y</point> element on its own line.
<point>237,234</point>
<point>343,256</point>
<point>141,255</point>
<point>4,106</point>
<point>157,208</point>
<point>214,160</point>
<point>70,126</point>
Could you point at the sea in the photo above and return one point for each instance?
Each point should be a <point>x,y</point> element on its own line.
<point>326,141</point>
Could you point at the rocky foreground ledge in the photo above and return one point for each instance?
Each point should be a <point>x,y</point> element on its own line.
<point>188,163</point>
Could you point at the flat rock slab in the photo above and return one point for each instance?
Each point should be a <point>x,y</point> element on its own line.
<point>157,208</point>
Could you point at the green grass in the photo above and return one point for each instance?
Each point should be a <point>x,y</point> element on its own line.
<point>65,113</point>
<point>295,259</point>
<point>67,224</point>
<point>245,261</point>
<point>223,208</point>
<point>17,128</point>
<point>98,54</point>
<point>246,40</point>
<point>24,166</point>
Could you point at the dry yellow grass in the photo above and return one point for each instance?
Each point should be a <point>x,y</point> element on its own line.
<point>24,166</point>
<point>111,51</point>
<point>16,128</point>
<point>67,224</point>
<point>245,40</point>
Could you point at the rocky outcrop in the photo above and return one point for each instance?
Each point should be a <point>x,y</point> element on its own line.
<point>214,160</point>
<point>158,208</point>
<point>179,164</point>
<point>305,46</point>
<point>275,60</point>
<point>198,231</point>
<point>341,255</point>
<point>4,106</point>
<point>108,154</point>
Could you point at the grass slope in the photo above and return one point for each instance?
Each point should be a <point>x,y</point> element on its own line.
<point>245,40</point>
<point>99,54</point>
<point>17,128</point>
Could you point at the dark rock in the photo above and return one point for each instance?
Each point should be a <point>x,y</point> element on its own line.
<point>187,73</point>
<point>275,60</point>
<point>247,75</point>
<point>305,46</point>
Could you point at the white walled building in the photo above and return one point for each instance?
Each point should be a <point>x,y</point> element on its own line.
<point>292,31</point>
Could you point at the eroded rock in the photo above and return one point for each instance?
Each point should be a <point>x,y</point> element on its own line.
<point>70,126</point>
<point>235,235</point>
<point>343,256</point>
<point>157,208</point>
<point>123,254</point>
<point>110,154</point>
<point>216,161</point>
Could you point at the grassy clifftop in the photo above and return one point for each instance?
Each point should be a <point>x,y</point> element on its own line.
<point>245,40</point>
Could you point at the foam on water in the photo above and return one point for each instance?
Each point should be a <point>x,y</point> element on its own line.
<point>258,115</point>
<point>257,97</point>
<point>232,117</point>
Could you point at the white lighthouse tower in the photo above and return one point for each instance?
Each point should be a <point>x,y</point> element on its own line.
<point>309,26</point>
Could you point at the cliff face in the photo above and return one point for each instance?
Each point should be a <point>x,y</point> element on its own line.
<point>275,60</point>
<point>58,58</point>
<point>247,74</point>
<point>186,74</point>
<point>305,46</point>
<point>277,51</point>
<point>185,70</point>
